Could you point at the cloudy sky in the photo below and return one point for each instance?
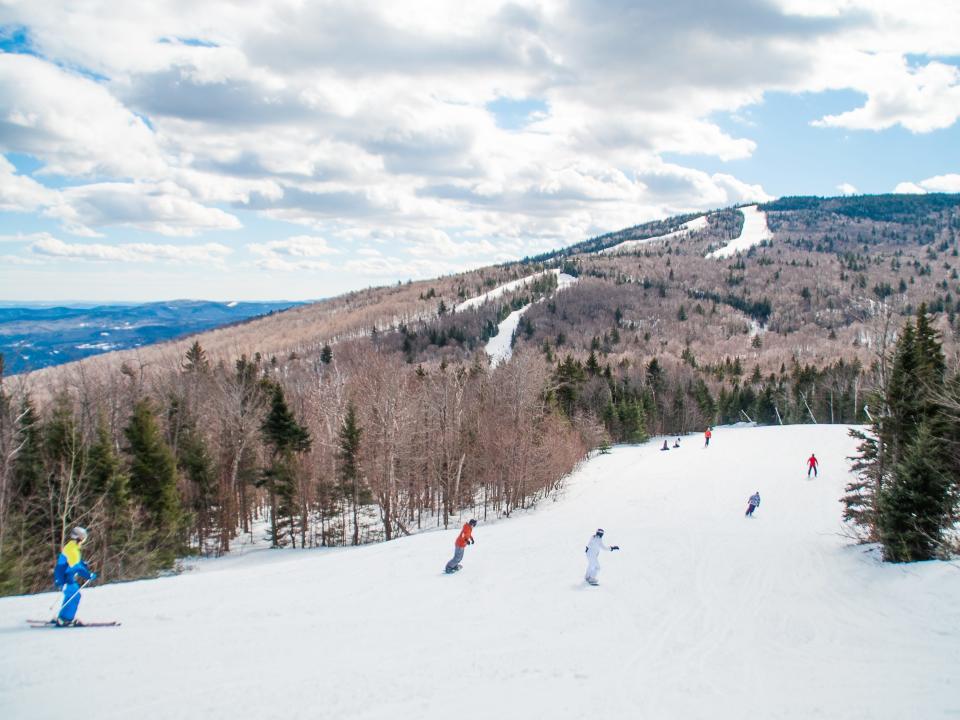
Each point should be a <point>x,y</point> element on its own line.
<point>293,149</point>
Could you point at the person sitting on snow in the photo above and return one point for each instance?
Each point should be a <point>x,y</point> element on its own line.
<point>69,565</point>
<point>593,555</point>
<point>752,504</point>
<point>677,443</point>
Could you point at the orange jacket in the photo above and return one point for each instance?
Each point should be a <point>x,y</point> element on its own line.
<point>465,535</point>
<point>707,434</point>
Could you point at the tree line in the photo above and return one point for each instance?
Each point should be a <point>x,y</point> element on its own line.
<point>351,447</point>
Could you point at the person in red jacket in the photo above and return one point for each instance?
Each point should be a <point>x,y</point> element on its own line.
<point>463,539</point>
<point>706,437</point>
<point>812,465</point>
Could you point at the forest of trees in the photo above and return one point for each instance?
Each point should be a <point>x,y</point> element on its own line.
<point>362,447</point>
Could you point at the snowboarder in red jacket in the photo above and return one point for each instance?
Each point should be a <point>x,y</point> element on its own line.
<point>812,465</point>
<point>463,539</point>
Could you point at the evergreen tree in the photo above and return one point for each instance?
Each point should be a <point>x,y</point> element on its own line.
<point>195,361</point>
<point>28,465</point>
<point>286,437</point>
<point>350,482</point>
<point>153,480</point>
<point>110,487</point>
<point>326,354</point>
<point>903,494</point>
<point>915,505</point>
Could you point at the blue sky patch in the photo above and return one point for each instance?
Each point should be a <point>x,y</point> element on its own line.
<point>516,114</point>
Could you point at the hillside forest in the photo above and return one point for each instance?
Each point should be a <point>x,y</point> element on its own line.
<point>378,414</point>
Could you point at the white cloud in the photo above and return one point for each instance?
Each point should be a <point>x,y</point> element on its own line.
<point>938,184</point>
<point>131,252</point>
<point>298,246</point>
<point>942,183</point>
<point>847,189</point>
<point>74,124</point>
<point>921,99</point>
<point>909,188</point>
<point>18,260</point>
<point>368,123</point>
<point>19,193</point>
<point>162,208</point>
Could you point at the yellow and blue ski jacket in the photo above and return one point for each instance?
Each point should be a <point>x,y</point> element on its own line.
<point>69,565</point>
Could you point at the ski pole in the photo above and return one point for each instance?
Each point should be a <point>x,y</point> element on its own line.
<point>67,601</point>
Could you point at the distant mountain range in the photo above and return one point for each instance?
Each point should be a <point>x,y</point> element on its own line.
<point>33,336</point>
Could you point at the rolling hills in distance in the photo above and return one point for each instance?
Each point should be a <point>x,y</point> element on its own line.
<point>807,289</point>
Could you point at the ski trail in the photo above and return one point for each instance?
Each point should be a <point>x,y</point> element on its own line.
<point>685,229</point>
<point>753,232</point>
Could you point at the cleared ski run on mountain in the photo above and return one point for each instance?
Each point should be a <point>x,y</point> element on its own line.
<point>687,228</point>
<point>702,614</point>
<point>753,232</point>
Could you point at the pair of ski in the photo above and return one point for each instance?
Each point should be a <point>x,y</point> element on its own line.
<point>53,624</point>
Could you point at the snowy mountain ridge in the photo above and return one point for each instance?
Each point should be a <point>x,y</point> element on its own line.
<point>702,614</point>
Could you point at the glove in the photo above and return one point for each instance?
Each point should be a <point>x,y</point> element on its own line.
<point>472,541</point>
<point>93,576</point>
<point>614,547</point>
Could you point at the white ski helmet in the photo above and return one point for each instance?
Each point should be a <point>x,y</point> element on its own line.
<point>78,533</point>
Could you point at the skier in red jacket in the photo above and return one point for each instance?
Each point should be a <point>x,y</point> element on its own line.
<point>812,465</point>
<point>463,539</point>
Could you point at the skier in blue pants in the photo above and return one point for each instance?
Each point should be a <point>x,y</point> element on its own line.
<point>752,504</point>
<point>70,564</point>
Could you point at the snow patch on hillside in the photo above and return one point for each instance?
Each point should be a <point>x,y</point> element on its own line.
<point>501,290</point>
<point>702,614</point>
<point>629,245</point>
<point>500,347</point>
<point>754,232</point>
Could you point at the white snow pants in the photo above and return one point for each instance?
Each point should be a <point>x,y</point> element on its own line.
<point>593,566</point>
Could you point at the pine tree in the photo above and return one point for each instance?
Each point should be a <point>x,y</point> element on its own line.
<point>915,505</point>
<point>28,465</point>
<point>110,487</point>
<point>350,482</point>
<point>153,480</point>
<point>326,354</point>
<point>286,437</point>
<point>195,361</point>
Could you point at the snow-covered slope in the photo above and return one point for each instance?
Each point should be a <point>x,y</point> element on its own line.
<point>702,614</point>
<point>753,232</point>
<point>688,227</point>
<point>499,347</point>
<point>502,290</point>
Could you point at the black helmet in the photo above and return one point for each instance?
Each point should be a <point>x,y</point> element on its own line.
<point>473,523</point>
<point>600,532</point>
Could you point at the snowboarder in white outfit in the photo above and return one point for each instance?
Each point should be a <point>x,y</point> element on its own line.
<point>593,555</point>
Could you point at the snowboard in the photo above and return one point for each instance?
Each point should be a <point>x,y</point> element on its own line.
<point>456,569</point>
<point>53,624</point>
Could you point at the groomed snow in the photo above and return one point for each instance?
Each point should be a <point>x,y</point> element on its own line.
<point>501,290</point>
<point>753,232</point>
<point>499,347</point>
<point>702,614</point>
<point>629,245</point>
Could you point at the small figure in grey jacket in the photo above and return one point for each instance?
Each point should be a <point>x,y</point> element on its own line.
<point>752,504</point>
<point>593,555</point>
